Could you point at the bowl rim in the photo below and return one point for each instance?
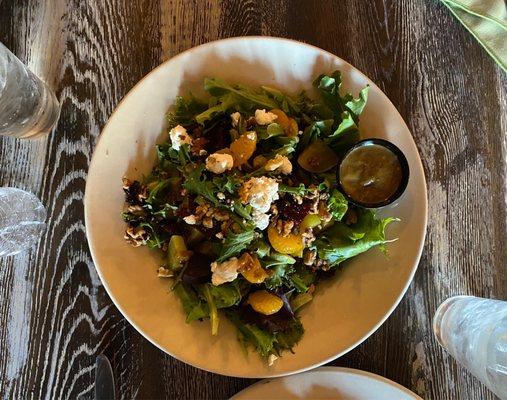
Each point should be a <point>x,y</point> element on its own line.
<point>261,375</point>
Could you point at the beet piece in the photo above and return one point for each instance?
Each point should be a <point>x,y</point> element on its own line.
<point>198,269</point>
<point>290,210</point>
<point>217,133</point>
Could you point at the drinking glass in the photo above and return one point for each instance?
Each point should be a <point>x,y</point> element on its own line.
<point>474,331</point>
<point>28,108</point>
<point>22,220</point>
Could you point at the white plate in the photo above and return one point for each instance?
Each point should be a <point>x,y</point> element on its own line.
<point>345,311</point>
<point>328,383</point>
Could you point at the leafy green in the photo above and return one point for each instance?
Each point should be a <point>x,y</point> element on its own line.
<point>226,295</point>
<point>337,205</point>
<point>269,131</point>
<point>341,242</point>
<point>251,334</point>
<point>213,312</point>
<point>197,184</point>
<point>262,249</point>
<point>282,145</point>
<point>288,338</point>
<point>192,305</point>
<point>276,258</point>
<point>235,243</point>
<point>300,300</point>
<point>356,106</point>
<point>285,103</point>
<point>300,190</point>
<point>242,210</point>
<point>278,273</point>
<point>301,278</point>
<point>184,110</point>
<point>227,183</point>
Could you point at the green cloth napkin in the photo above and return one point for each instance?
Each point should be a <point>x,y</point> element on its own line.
<point>487,21</point>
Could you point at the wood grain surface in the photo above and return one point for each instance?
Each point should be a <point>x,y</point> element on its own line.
<point>55,316</point>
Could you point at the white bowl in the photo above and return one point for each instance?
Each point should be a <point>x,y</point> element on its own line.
<point>345,311</point>
<point>328,383</point>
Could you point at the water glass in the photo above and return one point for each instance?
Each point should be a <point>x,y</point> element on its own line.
<point>22,220</point>
<point>474,331</point>
<point>28,108</point>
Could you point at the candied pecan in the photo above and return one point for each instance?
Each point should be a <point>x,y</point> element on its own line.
<point>136,236</point>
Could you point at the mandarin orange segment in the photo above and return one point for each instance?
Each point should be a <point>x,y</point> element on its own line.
<point>281,119</point>
<point>293,129</point>
<point>243,148</point>
<point>291,244</point>
<point>251,269</point>
<point>264,302</point>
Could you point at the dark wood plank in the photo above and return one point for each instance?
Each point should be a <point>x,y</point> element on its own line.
<point>54,314</point>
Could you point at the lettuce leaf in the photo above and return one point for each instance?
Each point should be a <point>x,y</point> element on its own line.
<point>341,242</point>
<point>337,205</point>
<point>251,334</point>
<point>288,338</point>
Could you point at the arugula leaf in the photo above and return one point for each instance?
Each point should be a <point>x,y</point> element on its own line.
<point>192,305</point>
<point>341,242</point>
<point>250,334</point>
<point>242,211</point>
<point>224,104</point>
<point>337,205</point>
<point>285,102</point>
<point>272,130</point>
<point>262,249</point>
<point>300,190</point>
<point>235,243</point>
<point>316,129</point>
<point>198,185</point>
<point>287,145</point>
<point>184,110</point>
<point>246,95</point>
<point>227,183</point>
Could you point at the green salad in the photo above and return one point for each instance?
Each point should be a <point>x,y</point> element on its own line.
<point>243,207</point>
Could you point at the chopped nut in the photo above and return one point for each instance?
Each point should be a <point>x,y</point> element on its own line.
<point>308,236</point>
<point>136,236</point>
<point>190,219</point>
<point>309,257</point>
<point>284,228</point>
<point>323,212</point>
<point>219,235</point>
<point>207,222</point>
<point>164,273</point>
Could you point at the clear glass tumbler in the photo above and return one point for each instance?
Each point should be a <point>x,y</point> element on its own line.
<point>474,331</point>
<point>28,108</point>
<point>22,220</point>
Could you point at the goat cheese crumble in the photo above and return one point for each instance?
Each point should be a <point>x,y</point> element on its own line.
<point>179,137</point>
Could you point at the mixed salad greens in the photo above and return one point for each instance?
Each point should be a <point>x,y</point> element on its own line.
<point>243,206</point>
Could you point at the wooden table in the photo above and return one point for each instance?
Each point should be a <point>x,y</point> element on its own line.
<point>55,316</point>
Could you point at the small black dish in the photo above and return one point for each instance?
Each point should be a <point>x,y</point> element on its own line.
<point>405,172</point>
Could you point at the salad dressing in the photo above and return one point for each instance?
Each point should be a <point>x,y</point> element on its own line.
<point>370,174</point>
